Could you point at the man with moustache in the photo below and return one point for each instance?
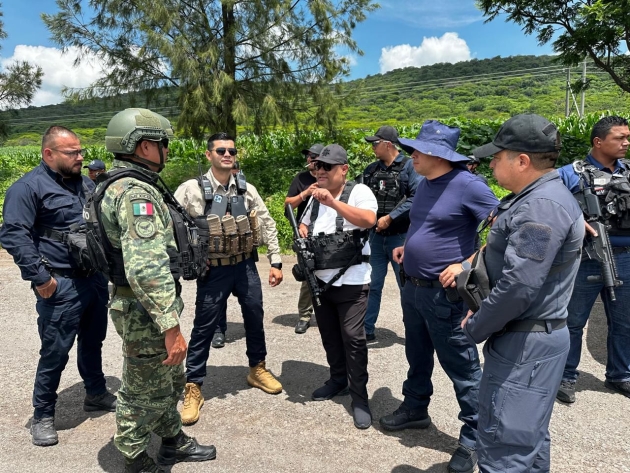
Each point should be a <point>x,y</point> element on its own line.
<point>448,205</point>
<point>301,189</point>
<point>336,223</point>
<point>217,195</point>
<point>39,209</point>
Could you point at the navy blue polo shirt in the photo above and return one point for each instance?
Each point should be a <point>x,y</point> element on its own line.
<point>444,218</point>
<point>41,198</point>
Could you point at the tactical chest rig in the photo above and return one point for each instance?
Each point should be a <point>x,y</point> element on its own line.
<point>613,194</point>
<point>385,185</point>
<point>230,230</point>
<point>188,261</point>
<point>341,249</point>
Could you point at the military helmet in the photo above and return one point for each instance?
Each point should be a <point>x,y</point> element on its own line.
<point>132,125</point>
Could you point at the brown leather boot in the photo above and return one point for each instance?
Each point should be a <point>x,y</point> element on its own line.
<point>259,377</point>
<point>193,400</point>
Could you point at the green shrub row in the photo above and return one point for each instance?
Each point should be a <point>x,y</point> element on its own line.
<point>270,161</point>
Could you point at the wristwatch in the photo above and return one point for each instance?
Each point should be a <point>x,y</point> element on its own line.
<point>276,265</point>
<point>466,265</point>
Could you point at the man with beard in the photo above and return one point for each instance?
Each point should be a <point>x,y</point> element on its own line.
<point>71,302</point>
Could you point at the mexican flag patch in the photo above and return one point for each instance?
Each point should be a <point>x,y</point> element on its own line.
<point>145,208</point>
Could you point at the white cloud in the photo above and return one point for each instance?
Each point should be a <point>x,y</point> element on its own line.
<point>59,70</point>
<point>448,48</point>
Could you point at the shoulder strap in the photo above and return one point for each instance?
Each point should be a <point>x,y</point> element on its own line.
<point>345,195</point>
<point>207,191</point>
<point>398,166</point>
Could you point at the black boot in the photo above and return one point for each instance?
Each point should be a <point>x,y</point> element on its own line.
<point>143,463</point>
<point>183,448</point>
<point>43,431</point>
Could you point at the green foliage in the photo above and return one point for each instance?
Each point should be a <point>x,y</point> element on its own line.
<point>597,29</point>
<point>275,204</point>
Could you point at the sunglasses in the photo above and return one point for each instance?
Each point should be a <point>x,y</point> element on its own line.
<point>325,166</point>
<point>376,143</point>
<point>221,151</point>
<point>164,142</point>
<point>72,154</point>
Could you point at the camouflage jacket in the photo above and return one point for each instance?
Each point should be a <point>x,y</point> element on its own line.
<point>136,220</point>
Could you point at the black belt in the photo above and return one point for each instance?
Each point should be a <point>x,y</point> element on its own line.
<point>230,260</point>
<point>530,325</point>
<point>620,249</point>
<point>70,273</point>
<point>424,282</point>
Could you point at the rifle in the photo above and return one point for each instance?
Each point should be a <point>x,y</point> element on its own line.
<point>305,269</point>
<point>598,247</point>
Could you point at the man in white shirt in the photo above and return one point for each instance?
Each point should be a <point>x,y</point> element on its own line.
<point>337,221</point>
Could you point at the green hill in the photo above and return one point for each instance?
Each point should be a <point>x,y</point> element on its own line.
<point>488,88</point>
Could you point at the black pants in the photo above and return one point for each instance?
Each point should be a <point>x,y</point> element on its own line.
<point>340,319</point>
<point>213,291</point>
<point>77,309</point>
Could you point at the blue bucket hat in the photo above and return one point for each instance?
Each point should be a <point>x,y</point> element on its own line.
<point>435,139</point>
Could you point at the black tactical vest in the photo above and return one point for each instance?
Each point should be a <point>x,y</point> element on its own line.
<point>188,261</point>
<point>220,205</point>
<point>385,184</point>
<point>613,193</point>
<point>339,249</point>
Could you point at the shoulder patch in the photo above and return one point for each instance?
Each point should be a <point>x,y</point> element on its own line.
<point>140,196</point>
<point>142,208</point>
<point>145,227</point>
<point>533,240</point>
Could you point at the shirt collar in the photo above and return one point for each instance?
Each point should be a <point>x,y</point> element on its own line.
<point>398,159</point>
<point>215,184</point>
<point>618,164</point>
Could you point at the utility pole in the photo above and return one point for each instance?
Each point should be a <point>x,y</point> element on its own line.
<point>567,98</point>
<point>583,88</point>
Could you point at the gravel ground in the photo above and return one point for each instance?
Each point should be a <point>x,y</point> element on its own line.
<point>256,432</point>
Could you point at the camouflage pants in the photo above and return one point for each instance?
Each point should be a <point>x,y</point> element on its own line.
<point>148,395</point>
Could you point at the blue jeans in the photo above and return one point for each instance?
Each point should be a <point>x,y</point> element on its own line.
<point>77,309</point>
<point>617,315</point>
<point>432,324</point>
<point>381,248</point>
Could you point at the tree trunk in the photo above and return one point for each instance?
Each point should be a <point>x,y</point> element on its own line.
<point>229,60</point>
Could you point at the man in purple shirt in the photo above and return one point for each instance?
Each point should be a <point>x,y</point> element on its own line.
<point>448,205</point>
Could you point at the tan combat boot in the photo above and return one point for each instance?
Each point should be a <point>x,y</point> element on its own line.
<point>193,400</point>
<point>259,377</point>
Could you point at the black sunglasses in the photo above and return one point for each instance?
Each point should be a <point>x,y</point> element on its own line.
<point>164,142</point>
<point>221,151</point>
<point>325,166</point>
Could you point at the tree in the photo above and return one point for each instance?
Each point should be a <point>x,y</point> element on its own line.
<point>18,84</point>
<point>252,62</point>
<point>597,29</point>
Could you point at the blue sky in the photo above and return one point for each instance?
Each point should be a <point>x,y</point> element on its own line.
<point>401,33</point>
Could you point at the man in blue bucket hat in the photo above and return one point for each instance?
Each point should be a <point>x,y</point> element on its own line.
<point>447,208</point>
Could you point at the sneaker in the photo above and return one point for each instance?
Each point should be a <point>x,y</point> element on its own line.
<point>193,400</point>
<point>370,337</point>
<point>101,402</point>
<point>143,463</point>
<point>403,418</point>
<point>329,390</point>
<point>302,326</point>
<point>622,387</point>
<point>463,460</point>
<point>362,416</point>
<point>218,340</point>
<point>43,432</point>
<point>566,391</point>
<point>259,377</point>
<point>183,448</point>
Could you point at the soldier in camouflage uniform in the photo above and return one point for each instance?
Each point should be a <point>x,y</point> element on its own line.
<point>146,313</point>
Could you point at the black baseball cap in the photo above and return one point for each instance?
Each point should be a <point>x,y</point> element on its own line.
<point>95,165</point>
<point>315,149</point>
<point>386,132</point>
<point>527,132</point>
<point>333,154</point>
